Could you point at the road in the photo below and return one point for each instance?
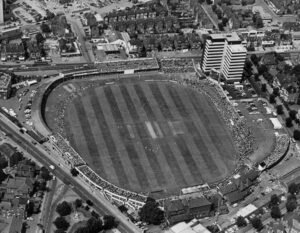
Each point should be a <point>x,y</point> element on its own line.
<point>100,206</point>
<point>80,37</point>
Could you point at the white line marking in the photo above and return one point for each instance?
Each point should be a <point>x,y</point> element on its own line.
<point>130,130</point>
<point>150,130</point>
<point>158,130</point>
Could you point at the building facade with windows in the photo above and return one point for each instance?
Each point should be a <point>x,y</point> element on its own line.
<point>5,85</point>
<point>224,53</point>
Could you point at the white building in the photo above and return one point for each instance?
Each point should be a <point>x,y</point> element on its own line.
<point>1,11</point>
<point>233,62</point>
<point>225,53</point>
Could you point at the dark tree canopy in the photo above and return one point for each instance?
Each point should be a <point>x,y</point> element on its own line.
<point>291,205</point>
<point>64,208</point>
<point>274,201</point>
<point>45,174</point>
<point>264,87</point>
<point>272,99</point>
<point>241,222</point>
<point>74,172</point>
<point>297,135</point>
<point>151,213</point>
<point>257,224</point>
<point>288,122</point>
<point>276,91</point>
<point>61,223</point>
<point>45,28</point>
<point>59,231</point>
<point>279,109</point>
<point>262,69</point>
<point>39,38</point>
<point>293,189</point>
<point>293,114</point>
<point>78,203</point>
<point>94,225</point>
<point>275,212</point>
<point>16,158</point>
<point>109,222</point>
<point>254,59</point>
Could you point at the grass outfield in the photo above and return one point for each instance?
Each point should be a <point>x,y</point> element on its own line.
<point>150,136</point>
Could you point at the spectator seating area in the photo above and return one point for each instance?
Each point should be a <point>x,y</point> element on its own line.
<point>281,144</point>
<point>68,153</point>
<point>177,65</point>
<point>105,185</point>
<point>240,131</point>
<point>145,64</point>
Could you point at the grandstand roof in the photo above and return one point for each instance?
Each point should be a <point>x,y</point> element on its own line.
<point>276,123</point>
<point>246,210</point>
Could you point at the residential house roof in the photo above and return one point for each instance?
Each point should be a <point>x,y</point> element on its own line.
<point>198,202</point>
<point>7,149</point>
<point>235,196</point>
<point>175,205</point>
<point>229,188</point>
<point>22,184</point>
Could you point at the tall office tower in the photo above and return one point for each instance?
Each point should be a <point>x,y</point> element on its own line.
<point>1,11</point>
<point>233,62</point>
<point>224,53</point>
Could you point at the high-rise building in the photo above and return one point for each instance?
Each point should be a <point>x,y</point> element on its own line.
<point>226,54</point>
<point>233,62</point>
<point>1,11</point>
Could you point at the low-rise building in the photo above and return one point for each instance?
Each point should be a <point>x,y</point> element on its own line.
<point>5,85</point>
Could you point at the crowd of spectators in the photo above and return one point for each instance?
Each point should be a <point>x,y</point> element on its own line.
<point>105,185</point>
<point>240,131</point>
<point>177,65</point>
<point>281,145</point>
<point>68,153</point>
<point>132,64</point>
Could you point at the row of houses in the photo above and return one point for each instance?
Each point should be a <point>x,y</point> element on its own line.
<point>16,51</point>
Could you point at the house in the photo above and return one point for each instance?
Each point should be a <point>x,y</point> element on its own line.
<point>25,170</point>
<point>33,50</point>
<point>186,209</point>
<point>13,51</point>
<point>7,151</point>
<point>199,207</point>
<point>18,187</point>
<point>176,211</point>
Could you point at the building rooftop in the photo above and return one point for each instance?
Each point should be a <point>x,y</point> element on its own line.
<point>230,37</point>
<point>238,48</point>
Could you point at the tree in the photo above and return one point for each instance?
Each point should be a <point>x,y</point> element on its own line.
<point>109,222</point>
<point>297,135</point>
<point>288,122</point>
<point>74,172</point>
<point>89,202</point>
<point>259,22</point>
<point>293,189</point>
<point>264,87</point>
<point>151,213</point>
<point>123,208</point>
<point>254,59</point>
<point>241,222</point>
<point>15,158</point>
<point>272,99</point>
<point>64,208</point>
<point>296,71</point>
<point>220,26</point>
<point>275,212</point>
<point>45,28</point>
<point>61,223</point>
<point>279,109</point>
<point>78,203</point>
<point>293,114</point>
<point>45,174</point>
<point>59,231</point>
<point>224,22</point>
<point>94,225</point>
<point>276,91</point>
<point>291,205</point>
<point>262,69</point>
<point>209,2</point>
<point>257,224</point>
<point>214,7</point>
<point>274,201</point>
<point>39,38</point>
<point>244,2</point>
